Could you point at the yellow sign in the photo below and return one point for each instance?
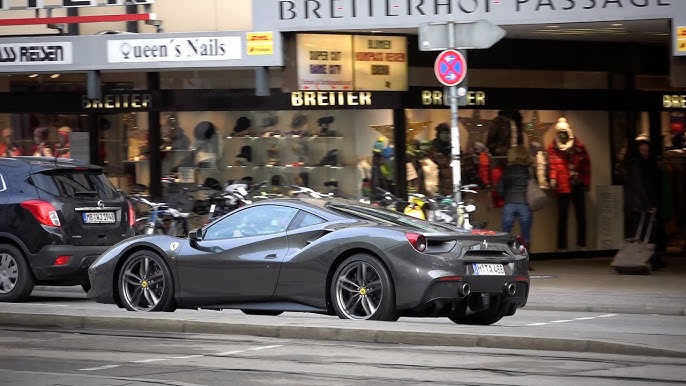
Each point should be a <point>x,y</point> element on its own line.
<point>259,43</point>
<point>674,101</point>
<point>681,39</point>
<point>330,98</point>
<point>437,98</point>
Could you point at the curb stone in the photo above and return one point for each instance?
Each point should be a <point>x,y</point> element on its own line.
<point>331,333</point>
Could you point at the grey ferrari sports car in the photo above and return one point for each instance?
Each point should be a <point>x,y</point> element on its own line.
<point>336,257</point>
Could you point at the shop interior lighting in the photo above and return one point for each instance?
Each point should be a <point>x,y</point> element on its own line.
<point>33,75</point>
<point>54,76</point>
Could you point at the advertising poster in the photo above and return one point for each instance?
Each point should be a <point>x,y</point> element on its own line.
<point>380,63</point>
<point>324,62</point>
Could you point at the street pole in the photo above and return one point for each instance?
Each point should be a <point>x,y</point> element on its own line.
<point>454,129</point>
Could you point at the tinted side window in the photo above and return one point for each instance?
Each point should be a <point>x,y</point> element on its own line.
<point>306,219</point>
<point>70,183</point>
<point>252,221</point>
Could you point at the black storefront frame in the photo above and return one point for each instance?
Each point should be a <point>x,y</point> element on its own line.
<point>246,100</point>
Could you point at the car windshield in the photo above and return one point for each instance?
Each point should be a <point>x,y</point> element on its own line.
<point>387,216</point>
<point>75,183</point>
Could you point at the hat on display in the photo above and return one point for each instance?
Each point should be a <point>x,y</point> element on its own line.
<point>299,120</point>
<point>378,146</point>
<point>242,124</point>
<point>269,121</point>
<point>41,132</point>
<point>245,156</point>
<point>204,130</point>
<point>325,120</point>
<point>643,137</point>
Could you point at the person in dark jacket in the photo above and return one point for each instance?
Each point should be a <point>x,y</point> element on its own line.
<point>512,188</point>
<point>643,182</point>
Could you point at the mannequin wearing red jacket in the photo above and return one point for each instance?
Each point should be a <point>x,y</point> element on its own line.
<point>570,176</point>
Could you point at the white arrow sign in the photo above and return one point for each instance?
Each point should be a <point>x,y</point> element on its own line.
<point>479,34</point>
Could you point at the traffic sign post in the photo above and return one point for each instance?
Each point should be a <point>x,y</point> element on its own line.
<point>451,69</point>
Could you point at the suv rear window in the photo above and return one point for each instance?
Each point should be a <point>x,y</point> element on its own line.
<point>72,183</point>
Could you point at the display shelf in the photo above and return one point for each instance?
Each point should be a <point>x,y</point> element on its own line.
<point>306,137</point>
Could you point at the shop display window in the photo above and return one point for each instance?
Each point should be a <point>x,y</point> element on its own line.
<point>323,150</point>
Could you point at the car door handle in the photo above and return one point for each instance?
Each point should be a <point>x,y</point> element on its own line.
<point>271,256</point>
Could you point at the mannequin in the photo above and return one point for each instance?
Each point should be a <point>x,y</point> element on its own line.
<point>41,147</point>
<point>364,174</point>
<point>7,147</point>
<point>62,146</point>
<point>441,155</point>
<point>570,176</point>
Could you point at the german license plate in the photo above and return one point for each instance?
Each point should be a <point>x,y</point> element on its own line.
<point>489,269</point>
<point>98,217</point>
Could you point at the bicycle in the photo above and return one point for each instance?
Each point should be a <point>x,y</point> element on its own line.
<point>161,219</point>
<point>445,209</point>
<point>234,196</point>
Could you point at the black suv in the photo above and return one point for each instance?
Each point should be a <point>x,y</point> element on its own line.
<point>56,217</point>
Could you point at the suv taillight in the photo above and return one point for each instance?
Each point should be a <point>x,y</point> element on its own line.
<point>43,211</point>
<point>132,215</point>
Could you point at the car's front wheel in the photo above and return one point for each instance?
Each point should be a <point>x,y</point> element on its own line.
<point>145,283</point>
<point>16,278</point>
<point>362,288</point>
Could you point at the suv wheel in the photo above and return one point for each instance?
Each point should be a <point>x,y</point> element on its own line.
<point>16,278</point>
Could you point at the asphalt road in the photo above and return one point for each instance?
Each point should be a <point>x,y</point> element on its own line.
<point>86,357</point>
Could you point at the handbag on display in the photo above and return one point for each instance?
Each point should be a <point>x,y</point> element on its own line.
<point>535,196</point>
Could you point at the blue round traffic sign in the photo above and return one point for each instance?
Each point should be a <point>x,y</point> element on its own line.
<point>450,67</point>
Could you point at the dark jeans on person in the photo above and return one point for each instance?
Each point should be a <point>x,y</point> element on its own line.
<point>578,198</point>
<point>512,212</point>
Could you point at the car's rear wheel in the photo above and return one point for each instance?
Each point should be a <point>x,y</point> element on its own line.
<point>262,312</point>
<point>16,278</point>
<point>362,288</point>
<point>482,318</point>
<point>145,283</point>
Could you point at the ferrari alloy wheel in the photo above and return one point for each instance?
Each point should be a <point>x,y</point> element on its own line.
<point>145,283</point>
<point>362,289</point>
<point>16,278</point>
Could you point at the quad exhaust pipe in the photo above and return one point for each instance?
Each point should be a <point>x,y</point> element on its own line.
<point>463,290</point>
<point>510,288</point>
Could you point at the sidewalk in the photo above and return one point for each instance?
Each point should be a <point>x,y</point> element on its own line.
<point>590,284</point>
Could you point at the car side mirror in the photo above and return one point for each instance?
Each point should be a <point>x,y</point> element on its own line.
<point>195,235</point>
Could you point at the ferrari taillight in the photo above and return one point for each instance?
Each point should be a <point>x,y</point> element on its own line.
<point>519,245</point>
<point>417,241</point>
<point>43,211</point>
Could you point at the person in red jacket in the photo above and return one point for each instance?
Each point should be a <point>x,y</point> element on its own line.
<point>570,176</point>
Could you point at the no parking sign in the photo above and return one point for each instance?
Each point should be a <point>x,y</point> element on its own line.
<point>450,67</point>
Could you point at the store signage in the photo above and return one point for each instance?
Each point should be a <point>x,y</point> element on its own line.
<point>346,62</point>
<point>36,53</point>
<point>439,98</point>
<point>300,15</point>
<point>40,4</point>
<point>324,62</point>
<point>380,63</point>
<point>674,101</point>
<point>330,98</point>
<point>681,39</point>
<point>259,43</point>
<point>198,48</point>
<point>118,101</point>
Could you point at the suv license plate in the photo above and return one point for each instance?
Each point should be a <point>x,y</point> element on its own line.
<point>489,269</point>
<point>98,218</point>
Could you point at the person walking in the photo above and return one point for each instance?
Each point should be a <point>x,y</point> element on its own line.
<point>643,192</point>
<point>512,188</point>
